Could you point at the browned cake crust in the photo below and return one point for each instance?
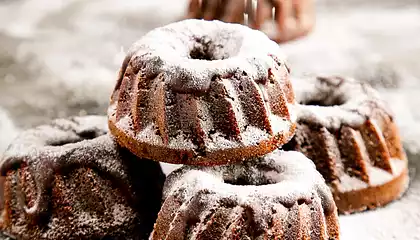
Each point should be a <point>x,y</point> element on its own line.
<point>199,92</point>
<point>278,196</point>
<point>69,180</point>
<point>349,132</point>
<point>373,196</point>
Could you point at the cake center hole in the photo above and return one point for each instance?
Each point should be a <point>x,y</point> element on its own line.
<point>200,54</point>
<point>241,181</point>
<point>329,101</point>
<point>202,50</point>
<point>85,135</point>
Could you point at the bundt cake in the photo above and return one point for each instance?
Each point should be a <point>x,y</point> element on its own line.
<point>202,93</point>
<point>278,196</point>
<point>69,180</point>
<point>349,132</point>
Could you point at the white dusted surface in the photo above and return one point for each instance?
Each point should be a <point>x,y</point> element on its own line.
<point>60,58</point>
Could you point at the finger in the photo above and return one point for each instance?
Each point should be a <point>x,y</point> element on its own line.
<point>235,10</point>
<point>300,24</point>
<point>210,8</point>
<point>250,10</point>
<point>263,13</point>
<point>194,9</point>
<point>298,7</point>
<point>284,16</point>
<point>303,7</point>
<point>221,9</point>
<point>305,14</point>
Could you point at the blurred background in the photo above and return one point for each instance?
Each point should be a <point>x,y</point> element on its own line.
<point>60,58</point>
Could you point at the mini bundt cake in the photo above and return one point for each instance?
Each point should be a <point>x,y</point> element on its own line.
<point>202,93</point>
<point>69,180</point>
<point>278,196</point>
<point>349,132</point>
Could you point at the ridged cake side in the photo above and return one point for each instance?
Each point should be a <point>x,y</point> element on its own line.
<point>226,220</point>
<point>353,140</point>
<point>234,106</point>
<point>69,180</point>
<point>279,197</point>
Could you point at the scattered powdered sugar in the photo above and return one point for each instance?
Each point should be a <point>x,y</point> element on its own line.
<point>118,213</point>
<point>181,142</point>
<point>223,49</point>
<point>219,141</point>
<point>280,124</point>
<point>207,68</point>
<point>397,220</point>
<point>277,178</point>
<point>337,44</point>
<point>253,135</point>
<point>59,156</point>
<point>62,144</point>
<point>331,117</point>
<point>377,177</point>
<point>59,132</point>
<point>335,101</point>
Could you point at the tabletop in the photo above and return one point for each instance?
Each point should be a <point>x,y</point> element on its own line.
<point>60,58</point>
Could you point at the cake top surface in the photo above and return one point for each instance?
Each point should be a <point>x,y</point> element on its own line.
<point>333,101</point>
<point>59,134</point>
<point>191,53</point>
<point>202,89</point>
<point>65,145</point>
<point>279,177</point>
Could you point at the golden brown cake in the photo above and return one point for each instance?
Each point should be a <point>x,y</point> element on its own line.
<point>202,93</point>
<point>278,196</point>
<point>69,180</point>
<point>349,132</point>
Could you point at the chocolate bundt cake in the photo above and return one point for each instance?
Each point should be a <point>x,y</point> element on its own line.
<point>349,132</point>
<point>278,196</point>
<point>69,180</point>
<point>202,93</point>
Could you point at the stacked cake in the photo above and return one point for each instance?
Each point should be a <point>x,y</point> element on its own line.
<point>217,98</point>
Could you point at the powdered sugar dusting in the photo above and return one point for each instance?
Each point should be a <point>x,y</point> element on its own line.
<point>245,201</point>
<point>280,124</point>
<point>57,158</point>
<point>378,177</point>
<point>212,91</point>
<point>220,142</point>
<point>230,47</point>
<point>277,178</point>
<point>335,101</point>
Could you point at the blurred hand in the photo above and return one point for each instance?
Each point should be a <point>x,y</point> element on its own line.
<point>224,10</point>
<point>293,18</point>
